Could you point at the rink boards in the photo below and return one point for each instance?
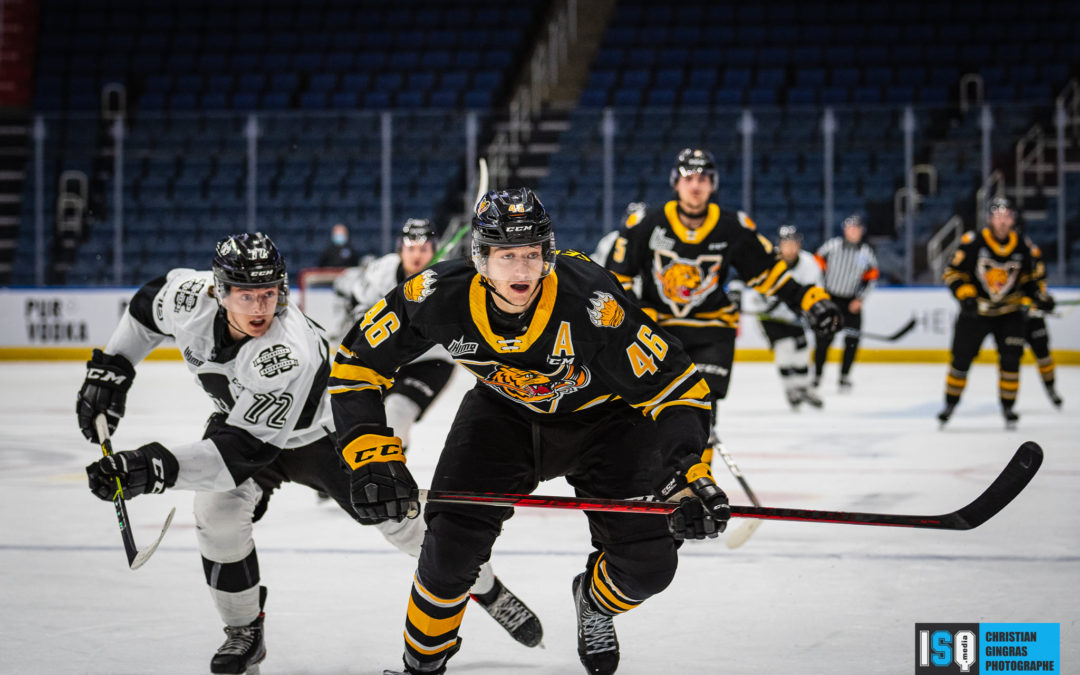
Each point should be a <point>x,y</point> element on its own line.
<point>65,323</point>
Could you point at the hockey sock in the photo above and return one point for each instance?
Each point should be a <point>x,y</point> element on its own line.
<point>1046,370</point>
<point>235,589</point>
<point>605,595</point>
<point>851,345</point>
<point>485,582</point>
<point>955,382</point>
<point>401,412</point>
<point>1008,387</point>
<point>431,628</point>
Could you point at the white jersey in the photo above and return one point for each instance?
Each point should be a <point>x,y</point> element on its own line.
<point>805,271</point>
<point>272,387</point>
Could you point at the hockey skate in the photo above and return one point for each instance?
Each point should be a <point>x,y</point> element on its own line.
<point>794,398</point>
<point>810,396</point>
<point>1011,418</point>
<point>512,614</point>
<point>598,647</point>
<point>244,647</point>
<point>946,414</point>
<point>845,385</point>
<point>1052,394</point>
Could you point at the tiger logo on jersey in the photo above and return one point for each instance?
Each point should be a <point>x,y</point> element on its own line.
<point>605,312</point>
<point>420,286</point>
<point>684,283</point>
<point>997,278</point>
<point>539,391</point>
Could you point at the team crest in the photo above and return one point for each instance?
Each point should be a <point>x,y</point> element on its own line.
<point>420,286</point>
<point>274,360</point>
<point>605,312</point>
<point>998,279</point>
<point>683,283</point>
<point>188,295</point>
<point>538,391</point>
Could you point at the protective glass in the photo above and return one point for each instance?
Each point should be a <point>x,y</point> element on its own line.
<point>252,301</point>
<point>514,263</point>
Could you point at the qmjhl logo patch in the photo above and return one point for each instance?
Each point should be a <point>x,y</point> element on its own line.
<point>275,360</point>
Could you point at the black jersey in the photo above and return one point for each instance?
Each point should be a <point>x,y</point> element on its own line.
<point>585,345</point>
<point>683,270</point>
<point>1002,276</point>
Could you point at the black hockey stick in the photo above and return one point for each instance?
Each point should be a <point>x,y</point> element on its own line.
<point>135,557</point>
<point>1009,483</point>
<point>904,330</point>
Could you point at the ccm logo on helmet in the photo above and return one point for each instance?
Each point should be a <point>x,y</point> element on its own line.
<point>519,228</point>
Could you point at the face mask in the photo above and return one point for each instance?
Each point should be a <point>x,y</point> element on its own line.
<point>339,238</point>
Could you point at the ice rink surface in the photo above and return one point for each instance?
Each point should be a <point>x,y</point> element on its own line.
<point>797,598</point>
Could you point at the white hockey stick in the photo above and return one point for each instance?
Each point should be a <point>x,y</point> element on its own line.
<point>136,558</point>
<point>739,537</point>
<point>452,240</point>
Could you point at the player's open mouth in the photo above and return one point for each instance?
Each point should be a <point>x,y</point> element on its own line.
<point>257,323</point>
<point>520,288</point>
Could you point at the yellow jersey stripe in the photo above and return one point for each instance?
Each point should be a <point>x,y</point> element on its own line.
<point>345,371</point>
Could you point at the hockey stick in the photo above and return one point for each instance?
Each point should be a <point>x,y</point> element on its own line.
<point>135,557</point>
<point>1009,483</point>
<point>481,190</point>
<point>746,530</point>
<point>904,330</point>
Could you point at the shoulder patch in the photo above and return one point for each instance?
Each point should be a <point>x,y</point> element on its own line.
<point>746,221</point>
<point>420,286</point>
<point>187,295</point>
<point>274,360</point>
<point>604,310</point>
<point>968,237</point>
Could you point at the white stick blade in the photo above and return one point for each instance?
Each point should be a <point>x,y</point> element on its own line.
<point>745,531</point>
<point>145,554</point>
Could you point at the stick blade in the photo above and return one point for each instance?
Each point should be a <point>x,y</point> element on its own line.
<point>741,535</point>
<point>1011,482</point>
<point>145,554</point>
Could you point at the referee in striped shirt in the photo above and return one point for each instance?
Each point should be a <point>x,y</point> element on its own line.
<point>850,269</point>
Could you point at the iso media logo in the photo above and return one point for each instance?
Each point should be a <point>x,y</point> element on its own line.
<point>980,648</point>
<point>946,648</point>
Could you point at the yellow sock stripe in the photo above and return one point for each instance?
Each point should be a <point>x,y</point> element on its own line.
<point>1006,385</point>
<point>426,650</point>
<point>951,381</point>
<point>606,592</point>
<point>1010,375</point>
<point>958,374</point>
<point>1007,395</point>
<point>1047,368</point>
<point>429,626</point>
<point>434,599</point>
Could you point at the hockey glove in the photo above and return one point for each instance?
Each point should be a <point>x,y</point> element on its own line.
<point>969,308</point>
<point>703,507</point>
<point>1044,302</point>
<point>108,378</point>
<point>151,468</point>
<point>382,486</point>
<point>824,317</point>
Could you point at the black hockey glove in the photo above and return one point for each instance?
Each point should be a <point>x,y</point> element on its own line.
<point>151,468</point>
<point>382,486</point>
<point>108,378</point>
<point>703,507</point>
<point>824,318</point>
<point>969,308</point>
<point>1044,302</point>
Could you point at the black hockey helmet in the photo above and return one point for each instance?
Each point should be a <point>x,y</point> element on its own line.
<point>694,160</point>
<point>249,260</point>
<point>789,232</point>
<point>854,220</point>
<point>417,231</point>
<point>509,218</point>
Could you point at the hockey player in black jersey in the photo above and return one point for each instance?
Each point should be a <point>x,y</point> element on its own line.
<point>265,366</point>
<point>682,254</point>
<point>993,275</point>
<point>573,380</point>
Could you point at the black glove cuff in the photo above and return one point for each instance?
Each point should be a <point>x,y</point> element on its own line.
<point>161,465</point>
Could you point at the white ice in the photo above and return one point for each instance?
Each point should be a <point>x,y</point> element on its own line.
<point>797,598</point>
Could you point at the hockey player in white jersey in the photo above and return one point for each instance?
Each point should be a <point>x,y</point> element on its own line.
<point>265,366</point>
<point>419,381</point>
<point>782,327</point>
